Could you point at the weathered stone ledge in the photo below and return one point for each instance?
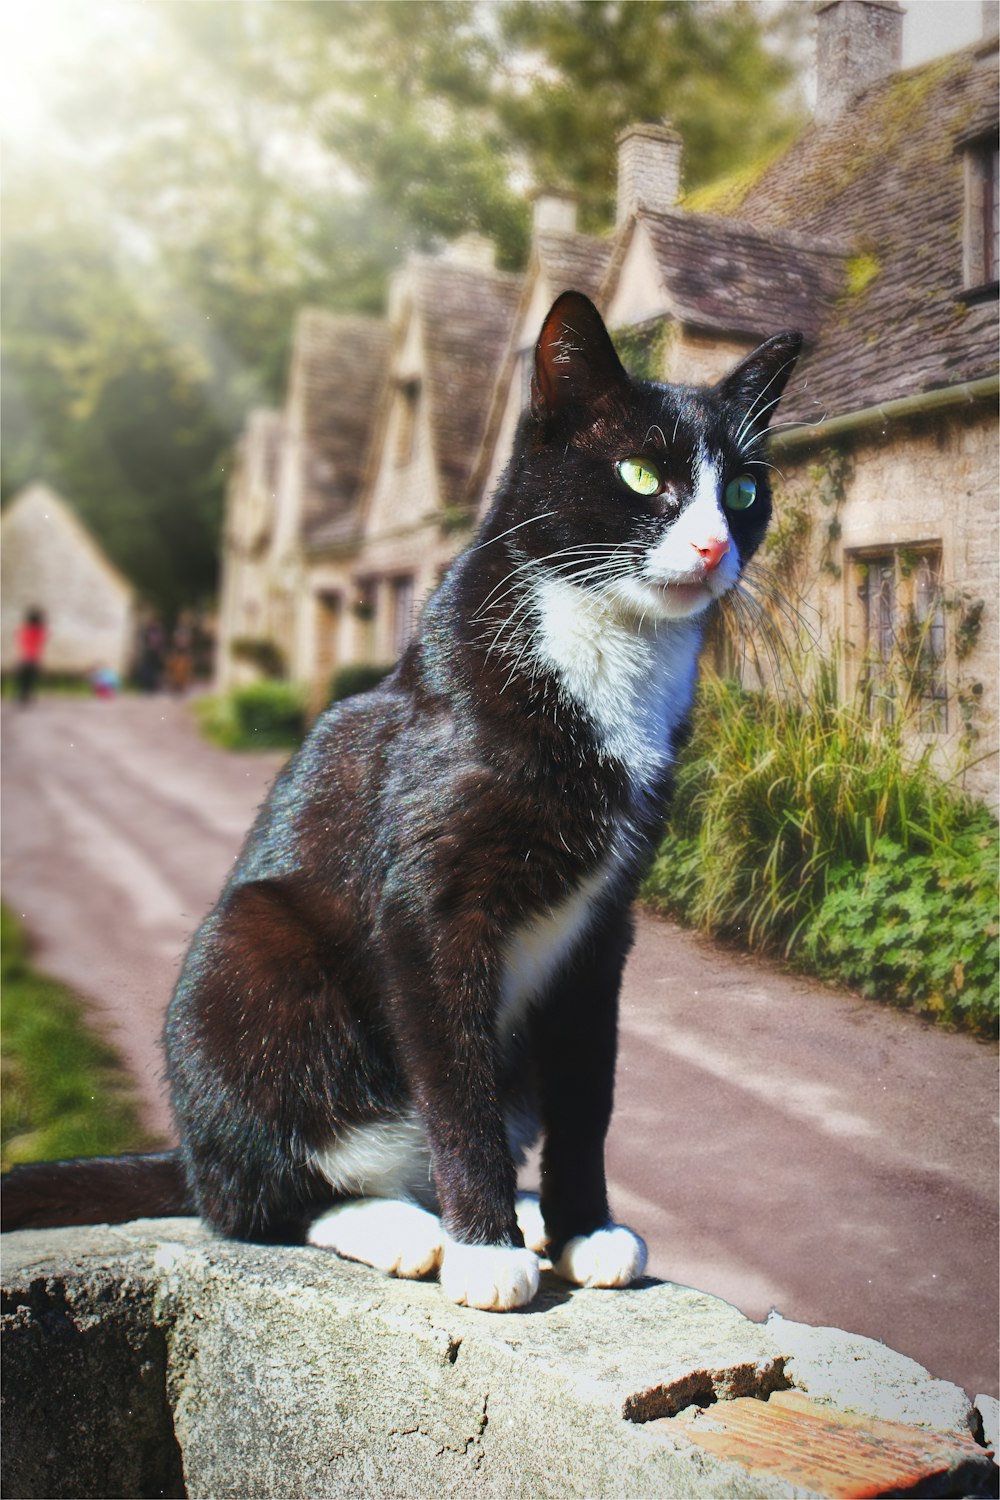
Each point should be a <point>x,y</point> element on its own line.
<point>154,1359</point>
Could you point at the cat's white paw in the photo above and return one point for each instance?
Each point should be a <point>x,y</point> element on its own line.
<point>612,1256</point>
<point>386,1233</point>
<point>493,1277</point>
<point>530,1222</point>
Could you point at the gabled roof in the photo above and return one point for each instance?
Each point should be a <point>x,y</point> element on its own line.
<point>465,314</point>
<point>728,277</point>
<point>572,261</point>
<point>338,366</point>
<point>36,510</point>
<point>567,261</point>
<point>255,473</point>
<point>886,180</point>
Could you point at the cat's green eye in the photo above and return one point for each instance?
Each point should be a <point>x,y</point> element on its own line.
<point>641,475</point>
<point>741,493</point>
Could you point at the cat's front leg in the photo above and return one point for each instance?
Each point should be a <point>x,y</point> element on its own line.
<point>575,1039</point>
<point>445,1037</point>
<point>496,1278</point>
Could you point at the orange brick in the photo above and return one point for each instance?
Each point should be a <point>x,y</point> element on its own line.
<point>825,1451</point>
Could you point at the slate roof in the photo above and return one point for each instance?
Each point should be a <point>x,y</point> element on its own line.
<point>466,315</point>
<point>338,366</point>
<point>572,261</point>
<point>886,181</point>
<point>728,277</point>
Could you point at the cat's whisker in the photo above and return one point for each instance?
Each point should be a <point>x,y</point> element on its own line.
<point>531,563</point>
<point>542,516</point>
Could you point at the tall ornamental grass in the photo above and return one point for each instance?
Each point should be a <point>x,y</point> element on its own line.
<point>807,828</point>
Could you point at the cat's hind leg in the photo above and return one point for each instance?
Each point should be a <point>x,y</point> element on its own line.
<point>400,1238</point>
<point>612,1256</point>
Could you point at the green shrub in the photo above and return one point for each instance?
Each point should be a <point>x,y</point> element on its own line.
<point>65,1092</point>
<point>917,929</point>
<point>806,827</point>
<point>358,678</point>
<point>260,716</point>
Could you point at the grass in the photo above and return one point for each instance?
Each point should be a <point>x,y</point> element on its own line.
<point>807,829</point>
<point>65,1091</point>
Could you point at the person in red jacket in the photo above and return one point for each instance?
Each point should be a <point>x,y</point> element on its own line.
<point>31,636</point>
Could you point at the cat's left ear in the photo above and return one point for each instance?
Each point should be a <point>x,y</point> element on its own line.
<point>754,388</point>
<point>575,360</point>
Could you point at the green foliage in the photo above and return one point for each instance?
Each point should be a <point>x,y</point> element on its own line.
<point>100,401</point>
<point>722,73</point>
<point>643,348</point>
<point>261,716</point>
<point>65,1092</point>
<point>804,827</point>
<point>359,678</point>
<point>859,272</point>
<point>917,927</point>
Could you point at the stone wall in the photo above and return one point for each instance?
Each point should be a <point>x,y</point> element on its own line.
<point>927,485</point>
<point>153,1359</point>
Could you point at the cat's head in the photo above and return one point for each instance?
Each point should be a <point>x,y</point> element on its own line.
<point>652,496</point>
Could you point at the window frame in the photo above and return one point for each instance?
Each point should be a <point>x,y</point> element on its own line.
<point>981,217</point>
<point>906,603</point>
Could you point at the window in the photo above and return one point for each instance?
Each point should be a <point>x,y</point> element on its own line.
<point>402,614</point>
<point>903,623</point>
<point>982,215</point>
<point>364,610</point>
<point>406,432</point>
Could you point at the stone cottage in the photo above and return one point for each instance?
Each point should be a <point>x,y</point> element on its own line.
<point>50,561</point>
<point>875,233</point>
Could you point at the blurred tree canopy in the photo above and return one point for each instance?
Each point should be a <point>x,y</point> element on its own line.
<point>219,165</point>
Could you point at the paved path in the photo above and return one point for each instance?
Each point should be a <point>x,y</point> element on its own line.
<point>777,1143</point>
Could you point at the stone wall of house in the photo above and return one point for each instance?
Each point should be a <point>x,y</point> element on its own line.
<point>921,489</point>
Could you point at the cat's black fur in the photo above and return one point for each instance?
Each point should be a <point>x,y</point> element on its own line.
<point>357,966</point>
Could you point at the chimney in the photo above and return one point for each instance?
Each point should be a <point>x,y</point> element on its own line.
<point>554,210</point>
<point>857,42</point>
<point>649,169</point>
<point>473,250</point>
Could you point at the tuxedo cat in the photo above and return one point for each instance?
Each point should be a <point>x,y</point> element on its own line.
<point>413,970</point>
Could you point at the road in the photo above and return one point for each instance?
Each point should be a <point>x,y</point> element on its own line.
<point>776,1142</point>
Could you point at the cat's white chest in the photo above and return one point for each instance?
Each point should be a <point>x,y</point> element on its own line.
<point>635,686</point>
<point>535,952</point>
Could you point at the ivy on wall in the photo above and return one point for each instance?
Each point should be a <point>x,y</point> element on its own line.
<point>644,347</point>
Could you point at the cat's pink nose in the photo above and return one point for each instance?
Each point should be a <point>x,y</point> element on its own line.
<point>713,551</point>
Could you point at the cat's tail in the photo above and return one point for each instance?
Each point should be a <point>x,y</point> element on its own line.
<point>94,1190</point>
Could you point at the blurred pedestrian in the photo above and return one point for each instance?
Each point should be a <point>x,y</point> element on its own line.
<point>149,670</point>
<point>31,636</point>
<point>180,658</point>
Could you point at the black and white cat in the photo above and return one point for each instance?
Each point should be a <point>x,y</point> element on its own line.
<point>413,970</point>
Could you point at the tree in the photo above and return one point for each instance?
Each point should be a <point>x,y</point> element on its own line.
<point>714,70</point>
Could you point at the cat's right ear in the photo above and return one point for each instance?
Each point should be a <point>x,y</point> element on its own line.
<point>575,360</point>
